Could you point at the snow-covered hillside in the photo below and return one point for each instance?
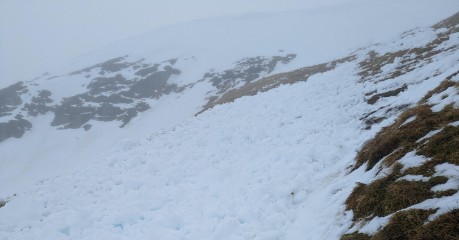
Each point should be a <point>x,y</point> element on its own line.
<point>154,81</point>
<point>269,156</point>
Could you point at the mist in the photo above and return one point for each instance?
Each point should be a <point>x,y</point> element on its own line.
<point>38,35</point>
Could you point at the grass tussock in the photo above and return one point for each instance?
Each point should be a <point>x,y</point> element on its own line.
<point>413,224</point>
<point>355,236</point>
<point>391,194</point>
<point>448,23</point>
<point>398,139</point>
<point>441,148</point>
<point>374,63</point>
<point>388,195</point>
<point>445,226</point>
<point>403,225</point>
<point>440,88</point>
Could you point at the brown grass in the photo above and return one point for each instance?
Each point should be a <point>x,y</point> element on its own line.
<point>402,194</point>
<point>373,64</point>
<point>440,88</point>
<point>403,224</point>
<point>365,200</point>
<point>441,148</point>
<point>390,195</point>
<point>445,226</point>
<point>274,81</point>
<point>448,23</point>
<point>412,225</point>
<point>355,236</point>
<point>387,195</point>
<point>397,140</point>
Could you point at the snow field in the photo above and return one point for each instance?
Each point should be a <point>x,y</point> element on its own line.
<point>241,171</point>
<point>315,35</point>
<point>271,166</point>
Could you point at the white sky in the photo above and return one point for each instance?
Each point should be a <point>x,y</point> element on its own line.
<point>36,35</point>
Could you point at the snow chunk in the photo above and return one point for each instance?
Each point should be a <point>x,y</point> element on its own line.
<point>448,170</point>
<point>375,224</point>
<point>450,184</point>
<point>429,135</point>
<point>410,119</point>
<point>414,178</point>
<point>454,124</point>
<point>412,160</point>
<point>444,205</point>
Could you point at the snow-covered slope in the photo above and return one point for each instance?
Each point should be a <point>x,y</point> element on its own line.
<point>79,111</point>
<point>269,166</point>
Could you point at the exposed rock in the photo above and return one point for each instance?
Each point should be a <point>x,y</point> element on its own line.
<point>14,128</point>
<point>10,98</point>
<point>39,104</point>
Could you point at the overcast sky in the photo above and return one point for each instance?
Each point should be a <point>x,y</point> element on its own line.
<point>36,35</point>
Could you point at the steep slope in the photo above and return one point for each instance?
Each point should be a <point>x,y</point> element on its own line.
<point>155,81</point>
<point>414,193</point>
<point>275,165</point>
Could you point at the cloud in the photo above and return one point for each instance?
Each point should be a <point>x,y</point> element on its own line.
<point>36,35</point>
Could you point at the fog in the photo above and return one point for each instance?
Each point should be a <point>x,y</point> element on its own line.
<point>38,35</point>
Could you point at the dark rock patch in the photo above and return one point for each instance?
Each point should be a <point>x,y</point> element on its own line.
<point>246,70</point>
<point>153,86</point>
<point>72,113</point>
<point>103,84</point>
<point>14,128</point>
<point>10,98</point>
<point>86,127</point>
<point>39,104</point>
<point>390,93</point>
<point>101,101</point>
